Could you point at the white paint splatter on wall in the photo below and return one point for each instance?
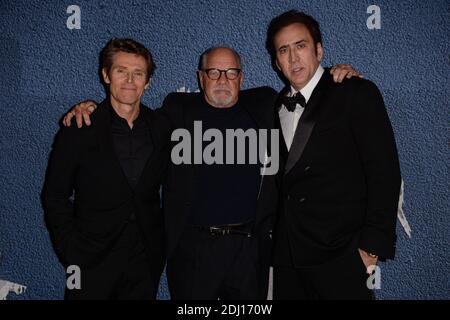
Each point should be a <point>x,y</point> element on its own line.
<point>401,215</point>
<point>7,287</point>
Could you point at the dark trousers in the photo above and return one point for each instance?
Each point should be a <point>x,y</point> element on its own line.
<point>341,279</point>
<point>211,267</point>
<point>124,273</point>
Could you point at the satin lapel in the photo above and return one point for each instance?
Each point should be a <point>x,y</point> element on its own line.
<point>307,121</point>
<point>282,143</point>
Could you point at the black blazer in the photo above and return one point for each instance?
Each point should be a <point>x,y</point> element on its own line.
<point>83,163</point>
<point>179,187</point>
<point>341,180</point>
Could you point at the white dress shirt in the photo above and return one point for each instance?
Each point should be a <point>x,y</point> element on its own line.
<point>289,120</point>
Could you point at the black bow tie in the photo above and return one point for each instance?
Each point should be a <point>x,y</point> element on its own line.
<point>291,102</point>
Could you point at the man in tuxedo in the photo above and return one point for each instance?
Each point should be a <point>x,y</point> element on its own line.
<point>218,217</point>
<point>101,193</point>
<point>341,178</point>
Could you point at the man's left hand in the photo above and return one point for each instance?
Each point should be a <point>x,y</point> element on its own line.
<point>367,259</point>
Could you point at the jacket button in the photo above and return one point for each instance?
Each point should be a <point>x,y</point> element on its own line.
<point>288,197</point>
<point>307,168</point>
<point>302,199</point>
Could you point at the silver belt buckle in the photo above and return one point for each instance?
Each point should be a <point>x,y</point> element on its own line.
<point>217,231</point>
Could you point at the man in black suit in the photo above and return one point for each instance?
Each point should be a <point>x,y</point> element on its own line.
<point>101,193</point>
<point>341,178</point>
<point>219,216</point>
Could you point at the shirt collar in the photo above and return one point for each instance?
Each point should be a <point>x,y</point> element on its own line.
<point>118,120</point>
<point>307,90</point>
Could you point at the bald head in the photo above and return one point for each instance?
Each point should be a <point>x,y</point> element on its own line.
<point>221,51</point>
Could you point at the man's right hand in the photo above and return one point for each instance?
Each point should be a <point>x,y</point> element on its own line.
<point>81,111</point>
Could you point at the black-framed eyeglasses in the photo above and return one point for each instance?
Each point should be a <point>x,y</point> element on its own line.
<point>230,73</point>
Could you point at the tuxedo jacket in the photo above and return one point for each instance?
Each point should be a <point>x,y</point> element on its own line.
<point>179,187</point>
<point>341,179</point>
<point>87,198</point>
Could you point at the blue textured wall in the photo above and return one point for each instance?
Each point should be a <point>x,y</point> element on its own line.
<point>45,68</point>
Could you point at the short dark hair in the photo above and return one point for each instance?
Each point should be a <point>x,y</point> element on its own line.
<point>126,45</point>
<point>287,18</point>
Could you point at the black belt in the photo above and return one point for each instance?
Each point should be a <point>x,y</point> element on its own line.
<point>239,229</point>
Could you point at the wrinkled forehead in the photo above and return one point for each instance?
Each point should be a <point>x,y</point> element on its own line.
<point>128,59</point>
<point>222,59</point>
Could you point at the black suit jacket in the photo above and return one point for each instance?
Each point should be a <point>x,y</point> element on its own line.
<point>179,187</point>
<point>83,163</point>
<point>342,179</point>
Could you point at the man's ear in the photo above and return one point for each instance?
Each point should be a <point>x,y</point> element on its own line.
<point>276,63</point>
<point>241,80</point>
<point>200,78</point>
<point>105,76</point>
<point>148,84</point>
<point>319,50</point>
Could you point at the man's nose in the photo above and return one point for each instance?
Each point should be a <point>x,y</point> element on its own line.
<point>222,78</point>
<point>129,77</point>
<point>293,56</point>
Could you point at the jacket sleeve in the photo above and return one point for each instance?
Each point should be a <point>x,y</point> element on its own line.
<point>378,152</point>
<point>170,109</point>
<point>58,191</point>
